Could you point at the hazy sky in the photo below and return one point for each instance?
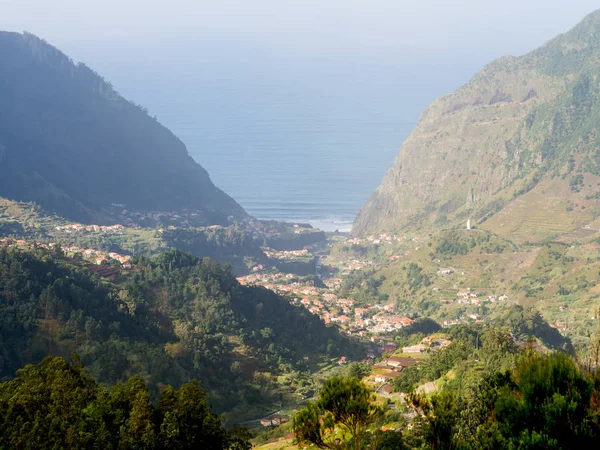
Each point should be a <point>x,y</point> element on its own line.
<point>428,46</point>
<point>321,26</point>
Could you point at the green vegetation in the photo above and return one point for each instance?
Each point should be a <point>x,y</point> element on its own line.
<point>224,244</point>
<point>174,318</point>
<point>57,404</point>
<point>542,401</point>
<point>343,417</point>
<point>461,242</point>
<point>558,280</point>
<point>491,393</point>
<point>470,345</point>
<point>363,287</point>
<point>230,244</point>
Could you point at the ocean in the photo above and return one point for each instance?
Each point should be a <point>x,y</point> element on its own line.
<point>281,163</point>
<point>304,142</point>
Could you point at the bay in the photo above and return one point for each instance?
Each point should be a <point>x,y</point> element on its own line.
<point>297,142</point>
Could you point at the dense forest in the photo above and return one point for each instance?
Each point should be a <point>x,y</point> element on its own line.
<point>173,318</point>
<point>230,244</point>
<point>57,404</point>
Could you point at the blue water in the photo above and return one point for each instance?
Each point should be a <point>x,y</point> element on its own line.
<point>297,141</point>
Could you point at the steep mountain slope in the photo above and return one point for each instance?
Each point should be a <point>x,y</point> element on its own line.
<point>69,142</point>
<point>520,137</point>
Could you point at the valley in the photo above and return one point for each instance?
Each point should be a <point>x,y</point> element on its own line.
<point>142,307</point>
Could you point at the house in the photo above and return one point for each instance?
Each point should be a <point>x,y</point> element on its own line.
<point>445,272</point>
<point>420,348</point>
<point>390,347</point>
<point>384,378</point>
<point>276,422</point>
<point>405,321</point>
<point>360,312</point>
<point>387,389</point>
<point>381,366</point>
<point>397,361</point>
<point>343,360</point>
<point>266,423</point>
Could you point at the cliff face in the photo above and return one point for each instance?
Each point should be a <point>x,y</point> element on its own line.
<point>69,142</point>
<point>519,122</point>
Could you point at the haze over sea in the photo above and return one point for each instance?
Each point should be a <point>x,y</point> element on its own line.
<point>308,142</point>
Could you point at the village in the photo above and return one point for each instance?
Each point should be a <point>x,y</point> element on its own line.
<point>97,257</point>
<point>373,322</point>
<point>77,228</point>
<point>257,229</point>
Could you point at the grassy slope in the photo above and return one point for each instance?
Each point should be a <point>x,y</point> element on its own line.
<point>545,276</point>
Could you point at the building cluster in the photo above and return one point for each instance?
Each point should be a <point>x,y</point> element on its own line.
<point>302,230</point>
<point>95,256</point>
<point>470,297</point>
<point>383,238</point>
<point>275,422</point>
<point>287,255</point>
<point>352,318</point>
<point>77,228</point>
<point>392,367</point>
<point>269,229</point>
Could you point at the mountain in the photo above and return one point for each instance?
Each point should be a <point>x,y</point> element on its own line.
<point>72,144</point>
<point>516,150</point>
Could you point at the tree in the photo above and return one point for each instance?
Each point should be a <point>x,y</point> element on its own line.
<point>358,370</point>
<point>139,431</point>
<point>239,439</point>
<point>390,440</point>
<point>313,426</point>
<point>187,422</point>
<point>56,404</point>
<point>43,407</point>
<point>550,403</point>
<point>345,407</point>
<point>437,416</point>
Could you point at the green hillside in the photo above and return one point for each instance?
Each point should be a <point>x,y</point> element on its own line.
<point>170,319</point>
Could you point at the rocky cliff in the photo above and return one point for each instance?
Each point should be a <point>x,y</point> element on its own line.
<point>520,136</point>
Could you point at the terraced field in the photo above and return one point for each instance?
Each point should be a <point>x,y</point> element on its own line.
<point>543,214</point>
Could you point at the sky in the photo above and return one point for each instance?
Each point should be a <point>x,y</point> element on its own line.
<point>306,27</point>
<point>435,33</point>
<point>435,45</point>
<point>450,39</point>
